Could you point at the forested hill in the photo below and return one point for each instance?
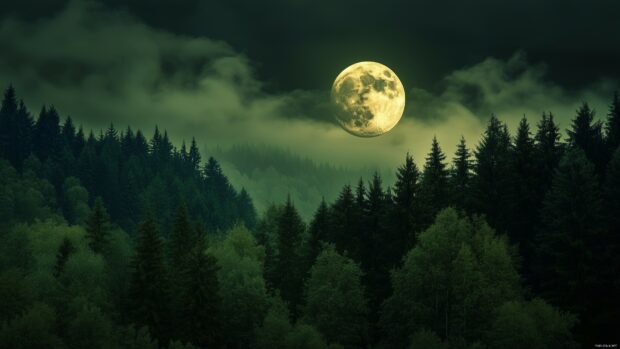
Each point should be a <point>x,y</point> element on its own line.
<point>131,173</point>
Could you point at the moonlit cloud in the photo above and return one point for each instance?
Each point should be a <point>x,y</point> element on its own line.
<point>103,66</point>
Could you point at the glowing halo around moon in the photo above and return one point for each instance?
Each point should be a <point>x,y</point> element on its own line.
<point>369,99</point>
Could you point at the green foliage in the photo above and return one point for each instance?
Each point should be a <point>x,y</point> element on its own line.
<point>33,329</point>
<point>75,201</point>
<point>451,281</point>
<point>278,332</point>
<point>427,340</point>
<point>89,327</point>
<point>242,287</point>
<point>16,294</point>
<point>335,301</point>
<point>65,250</point>
<point>533,325</point>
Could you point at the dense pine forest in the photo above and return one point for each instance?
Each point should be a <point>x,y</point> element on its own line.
<point>113,240</point>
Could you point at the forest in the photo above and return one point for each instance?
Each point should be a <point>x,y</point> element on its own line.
<point>116,240</point>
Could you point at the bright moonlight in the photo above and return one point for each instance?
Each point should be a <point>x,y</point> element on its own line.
<point>369,99</point>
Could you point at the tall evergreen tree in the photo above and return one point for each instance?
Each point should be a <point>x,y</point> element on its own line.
<point>405,218</point>
<point>345,219</point>
<point>245,209</point>
<point>149,286</point>
<point>8,111</point>
<point>200,301</point>
<point>491,187</point>
<point>318,231</point>
<point>460,177</point>
<point>47,141</point>
<point>570,245</point>
<point>525,214</point>
<point>194,156</point>
<point>434,184</point>
<point>288,266</point>
<point>548,151</point>
<point>376,265</point>
<point>587,134</point>
<point>181,240</point>
<point>97,227</point>
<point>612,126</point>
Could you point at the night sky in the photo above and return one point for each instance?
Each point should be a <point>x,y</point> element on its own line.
<point>257,72</point>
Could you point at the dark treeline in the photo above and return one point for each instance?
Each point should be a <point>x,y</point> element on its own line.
<point>129,172</point>
<point>114,241</point>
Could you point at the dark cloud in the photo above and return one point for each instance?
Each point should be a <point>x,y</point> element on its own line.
<point>304,44</point>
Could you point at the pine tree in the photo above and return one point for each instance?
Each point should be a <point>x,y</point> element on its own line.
<point>376,265</point>
<point>491,186</point>
<point>181,240</point>
<point>288,266</point>
<point>548,152</point>
<point>405,219</point>
<point>345,220</point>
<point>570,244</point>
<point>460,177</point>
<point>245,209</point>
<point>525,214</point>
<point>97,227</point>
<point>8,111</point>
<point>587,134</point>
<point>194,156</point>
<point>148,289</point>
<point>200,301</point>
<point>65,250</point>
<point>22,142</point>
<point>47,141</point>
<point>434,184</point>
<point>318,231</point>
<point>612,126</point>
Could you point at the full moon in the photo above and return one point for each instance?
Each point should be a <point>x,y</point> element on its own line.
<point>369,99</point>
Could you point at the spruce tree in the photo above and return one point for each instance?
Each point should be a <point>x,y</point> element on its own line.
<point>587,134</point>
<point>434,184</point>
<point>492,193</point>
<point>525,214</point>
<point>318,231</point>
<point>97,227</point>
<point>200,300</point>
<point>570,244</point>
<point>194,156</point>
<point>8,111</point>
<point>180,241</point>
<point>345,218</point>
<point>245,209</point>
<point>612,126</point>
<point>47,141</point>
<point>149,286</point>
<point>460,177</point>
<point>548,151</point>
<point>289,263</point>
<point>404,217</point>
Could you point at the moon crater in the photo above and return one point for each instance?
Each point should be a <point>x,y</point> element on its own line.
<point>369,99</point>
